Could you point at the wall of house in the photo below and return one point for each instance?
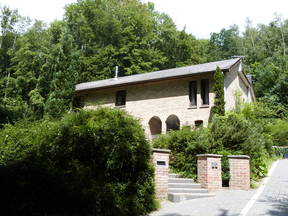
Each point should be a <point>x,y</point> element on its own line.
<point>235,84</point>
<point>161,99</point>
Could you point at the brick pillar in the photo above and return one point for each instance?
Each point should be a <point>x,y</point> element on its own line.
<point>161,163</point>
<point>209,171</point>
<point>239,172</point>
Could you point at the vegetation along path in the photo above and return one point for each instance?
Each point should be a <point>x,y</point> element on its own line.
<point>272,201</point>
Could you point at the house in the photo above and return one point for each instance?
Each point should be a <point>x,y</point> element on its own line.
<point>169,99</point>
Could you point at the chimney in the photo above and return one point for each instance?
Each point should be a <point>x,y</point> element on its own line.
<point>116,73</point>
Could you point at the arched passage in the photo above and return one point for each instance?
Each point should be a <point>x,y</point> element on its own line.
<point>172,123</point>
<point>155,125</point>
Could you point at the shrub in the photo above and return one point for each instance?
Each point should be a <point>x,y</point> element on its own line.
<point>88,163</point>
<point>19,140</point>
<point>279,132</point>
<point>235,133</point>
<point>184,144</point>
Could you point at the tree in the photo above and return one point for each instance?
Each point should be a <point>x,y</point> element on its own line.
<point>225,44</point>
<point>218,89</point>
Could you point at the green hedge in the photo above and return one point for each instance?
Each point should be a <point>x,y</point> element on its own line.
<point>184,144</point>
<point>229,134</point>
<point>88,163</point>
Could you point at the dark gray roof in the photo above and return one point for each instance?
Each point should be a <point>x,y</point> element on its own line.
<point>158,75</point>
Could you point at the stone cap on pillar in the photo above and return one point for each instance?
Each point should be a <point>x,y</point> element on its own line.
<point>209,155</point>
<point>239,156</point>
<point>167,151</point>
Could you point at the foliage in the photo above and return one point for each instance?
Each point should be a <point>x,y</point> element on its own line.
<point>40,64</point>
<point>88,163</point>
<point>279,132</point>
<point>235,133</point>
<point>271,78</point>
<point>224,44</point>
<point>232,133</point>
<point>218,89</point>
<point>184,145</point>
<point>225,165</point>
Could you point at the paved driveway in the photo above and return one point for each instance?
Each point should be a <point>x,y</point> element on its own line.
<point>273,201</point>
<point>274,198</point>
<point>225,203</point>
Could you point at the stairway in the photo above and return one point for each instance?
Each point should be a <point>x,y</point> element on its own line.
<point>180,189</point>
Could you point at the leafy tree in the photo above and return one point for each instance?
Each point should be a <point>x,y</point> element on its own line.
<point>225,44</point>
<point>271,79</point>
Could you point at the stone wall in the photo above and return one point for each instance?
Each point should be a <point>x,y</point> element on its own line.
<point>239,172</point>
<point>161,164</point>
<point>209,171</point>
<point>161,99</point>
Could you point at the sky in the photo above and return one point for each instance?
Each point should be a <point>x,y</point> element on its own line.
<point>200,17</point>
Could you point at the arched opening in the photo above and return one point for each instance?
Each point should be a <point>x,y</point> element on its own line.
<point>155,125</point>
<point>172,123</point>
<point>198,123</point>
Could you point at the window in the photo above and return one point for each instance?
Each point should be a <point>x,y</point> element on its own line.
<point>172,123</point>
<point>198,123</point>
<point>155,125</point>
<point>205,91</point>
<point>193,93</point>
<point>120,98</point>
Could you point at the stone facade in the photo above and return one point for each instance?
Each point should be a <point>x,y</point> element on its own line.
<point>161,163</point>
<point>209,171</point>
<point>239,172</point>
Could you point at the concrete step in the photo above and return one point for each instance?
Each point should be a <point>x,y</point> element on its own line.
<point>187,190</point>
<point>178,197</point>
<point>173,175</point>
<point>180,180</point>
<point>183,185</point>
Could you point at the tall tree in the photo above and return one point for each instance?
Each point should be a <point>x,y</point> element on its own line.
<point>218,89</point>
<point>225,44</point>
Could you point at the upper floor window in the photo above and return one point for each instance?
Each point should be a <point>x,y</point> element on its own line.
<point>205,91</point>
<point>193,93</point>
<point>120,98</point>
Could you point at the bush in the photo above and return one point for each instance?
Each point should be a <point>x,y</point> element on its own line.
<point>184,144</point>
<point>233,132</point>
<point>279,132</point>
<point>88,163</point>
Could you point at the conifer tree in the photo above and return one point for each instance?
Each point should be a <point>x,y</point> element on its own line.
<point>218,89</point>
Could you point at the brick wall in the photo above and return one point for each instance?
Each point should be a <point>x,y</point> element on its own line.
<point>166,97</point>
<point>239,172</point>
<point>209,171</point>
<point>161,99</point>
<point>161,156</point>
